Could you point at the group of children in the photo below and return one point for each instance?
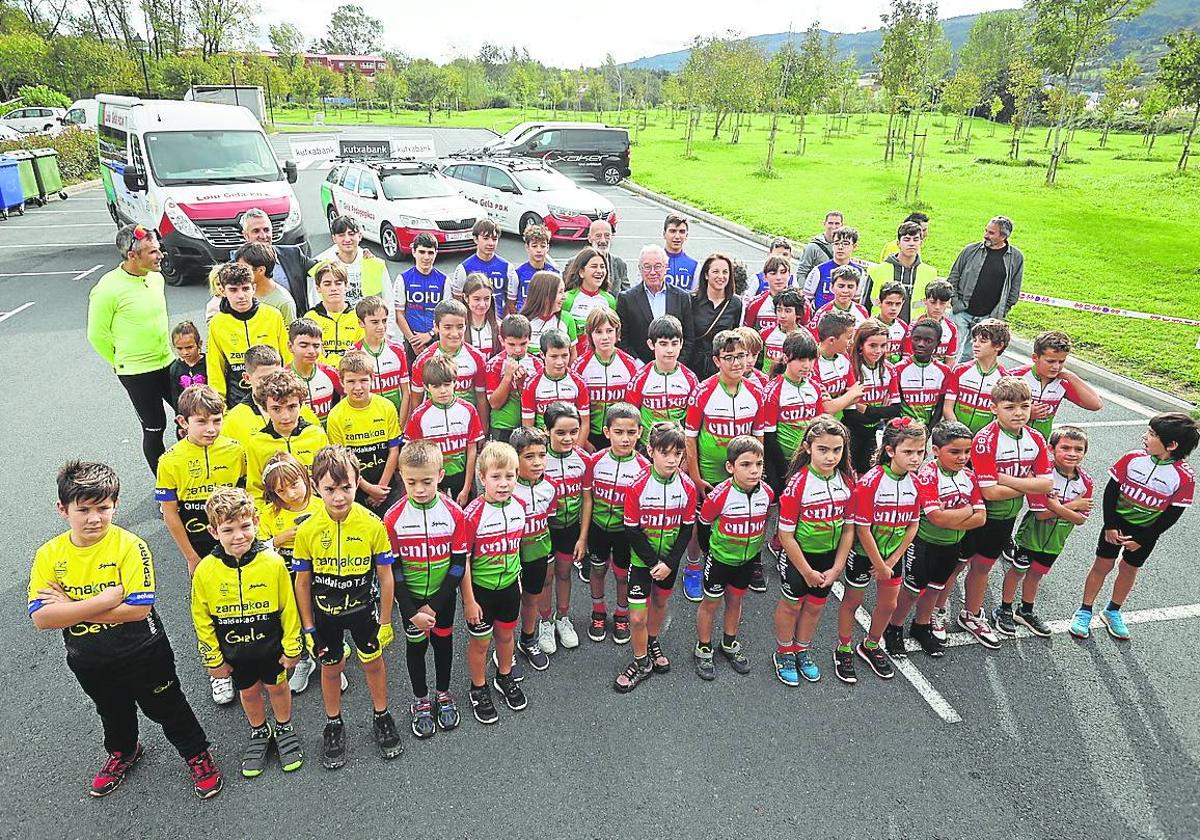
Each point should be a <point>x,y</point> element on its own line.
<point>315,490</point>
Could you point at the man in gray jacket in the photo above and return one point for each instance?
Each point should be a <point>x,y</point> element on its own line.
<point>820,248</point>
<point>600,234</point>
<point>986,278</point>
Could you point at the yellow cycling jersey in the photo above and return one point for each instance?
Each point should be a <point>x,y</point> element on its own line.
<point>339,332</point>
<point>303,443</point>
<point>342,557</point>
<point>118,558</point>
<point>230,335</point>
<point>245,418</point>
<point>244,609</point>
<point>273,521</point>
<point>188,474</point>
<point>369,432</point>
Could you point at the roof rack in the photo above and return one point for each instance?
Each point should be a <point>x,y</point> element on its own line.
<point>383,163</point>
<point>511,161</point>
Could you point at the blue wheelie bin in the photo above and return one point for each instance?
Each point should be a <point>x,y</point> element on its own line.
<point>12,197</point>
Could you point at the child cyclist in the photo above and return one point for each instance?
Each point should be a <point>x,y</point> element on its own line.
<point>342,556</point>
<point>482,330</point>
<point>1148,490</point>
<point>611,473</point>
<point>334,315</point>
<point>662,389</point>
<point>189,366</point>
<point>389,359</point>
<point>880,400</point>
<point>816,543</point>
<point>660,512</point>
<point>366,424</point>
<point>95,583</point>
<point>450,320</point>
<point>938,295</point>
<point>606,371</point>
<point>566,466</point>
<point>543,308</point>
<point>833,370</point>
<point>754,350</point>
<point>892,297</point>
<point>885,514</point>
<point>539,495</point>
<point>760,310</point>
<point>732,524</point>
<point>241,323</point>
<point>792,401</point>
<point>280,394</point>
<point>557,382</point>
<point>922,378</point>
<point>789,309</point>
<point>452,424</point>
<point>846,282</point>
<point>969,388</point>
<point>247,626</point>
<point>1050,382</point>
<point>506,375</point>
<point>305,342</point>
<point>429,537</point>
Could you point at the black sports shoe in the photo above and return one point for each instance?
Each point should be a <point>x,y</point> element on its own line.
<point>584,568</point>
<point>843,666</point>
<point>423,725</point>
<point>620,631</point>
<point>633,675</point>
<point>736,656</point>
<point>893,640</point>
<point>1031,620</point>
<point>533,654</point>
<point>877,658</point>
<point>482,706</point>
<point>333,745</point>
<point>447,711</point>
<point>922,634</point>
<point>598,626</point>
<point>386,736</point>
<point>758,581</point>
<point>1002,620</point>
<point>704,663</point>
<point>514,698</point>
<point>517,668</point>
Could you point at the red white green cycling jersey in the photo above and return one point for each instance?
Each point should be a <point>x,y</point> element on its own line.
<point>390,372</point>
<point>558,322</point>
<point>541,391</point>
<point>854,309</point>
<point>813,507</point>
<point>541,502</point>
<point>760,313</point>
<point>579,303</point>
<point>887,503</point>
<point>835,374</point>
<point>606,382</point>
<point>947,349</point>
<point>998,452</point>
<point>659,507</point>
<point>661,396</point>
<point>897,336</point>
<point>610,478</point>
<point>423,537</point>
<point>469,362</point>
<point>716,417</point>
<point>790,407</point>
<point>969,389</point>
<point>1049,394</point>
<point>1150,485</point>
<point>494,542</point>
<point>451,427</point>
<point>1050,535</point>
<point>773,339</point>
<point>921,387</point>
<point>324,389</point>
<point>938,489</point>
<point>508,416</point>
<point>739,520</point>
<point>881,387</point>
<point>568,471</point>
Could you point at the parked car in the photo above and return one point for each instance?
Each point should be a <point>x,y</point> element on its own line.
<point>7,133</point>
<point>83,113</point>
<point>594,151</point>
<point>34,120</point>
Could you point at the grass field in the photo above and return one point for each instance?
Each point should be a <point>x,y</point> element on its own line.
<point>1119,229</point>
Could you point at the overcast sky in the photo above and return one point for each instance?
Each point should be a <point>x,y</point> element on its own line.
<point>580,32</point>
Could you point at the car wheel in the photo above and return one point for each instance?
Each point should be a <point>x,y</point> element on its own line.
<point>390,242</point>
<point>172,273</point>
<point>331,213</point>
<point>611,176</point>
<point>529,219</point>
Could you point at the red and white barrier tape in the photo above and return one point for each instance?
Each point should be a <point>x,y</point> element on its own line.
<point>1063,303</point>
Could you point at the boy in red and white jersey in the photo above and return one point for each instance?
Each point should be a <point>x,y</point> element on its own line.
<point>324,386</point>
<point>450,321</point>
<point>389,359</point>
<point>1051,383</point>
<point>892,298</point>
<point>789,308</point>
<point>969,387</point>
<point>938,295</point>
<point>921,378</point>
<point>451,423</point>
<point>556,383</point>
<point>833,371</point>
<point>760,311</point>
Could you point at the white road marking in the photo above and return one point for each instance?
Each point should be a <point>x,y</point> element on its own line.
<point>37,273</point>
<point>81,224</point>
<point>1003,704</point>
<point>58,244</point>
<point>4,316</point>
<point>91,270</point>
<point>1105,424</point>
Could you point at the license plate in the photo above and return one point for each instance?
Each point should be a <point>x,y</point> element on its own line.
<point>458,236</point>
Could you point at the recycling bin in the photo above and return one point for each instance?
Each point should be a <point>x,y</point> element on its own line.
<point>49,179</point>
<point>29,184</point>
<point>12,197</point>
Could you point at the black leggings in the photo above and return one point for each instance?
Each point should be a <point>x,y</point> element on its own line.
<point>862,447</point>
<point>443,655</point>
<point>149,392</point>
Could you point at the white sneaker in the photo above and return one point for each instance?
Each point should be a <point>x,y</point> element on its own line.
<point>222,690</point>
<point>298,681</point>
<point>546,640</point>
<point>566,632</point>
<point>938,623</point>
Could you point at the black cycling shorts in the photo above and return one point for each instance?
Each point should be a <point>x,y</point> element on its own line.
<point>641,584</point>
<point>858,569</point>
<point>719,576</point>
<point>331,633</point>
<point>793,586</point>
<point>929,565</point>
<point>1024,557</point>
<point>563,540</point>
<point>534,574</point>
<point>501,607</point>
<point>452,485</point>
<point>443,624</point>
<point>502,435</point>
<point>989,539</point>
<point>248,672</point>
<point>602,544</point>
<point>1135,559</point>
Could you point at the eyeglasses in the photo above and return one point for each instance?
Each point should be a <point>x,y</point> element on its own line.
<point>654,266</point>
<point>736,359</point>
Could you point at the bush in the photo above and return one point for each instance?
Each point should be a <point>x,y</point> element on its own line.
<point>77,156</point>
<point>42,96</point>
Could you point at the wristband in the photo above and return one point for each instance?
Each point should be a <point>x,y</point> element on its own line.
<point>309,631</point>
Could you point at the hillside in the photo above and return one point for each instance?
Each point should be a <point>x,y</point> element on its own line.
<point>1141,38</point>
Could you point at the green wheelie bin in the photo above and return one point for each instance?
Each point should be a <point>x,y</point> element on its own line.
<point>45,168</point>
<point>25,170</point>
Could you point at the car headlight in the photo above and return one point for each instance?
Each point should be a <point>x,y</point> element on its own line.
<point>180,220</point>
<point>561,212</point>
<point>294,219</point>
<point>415,223</point>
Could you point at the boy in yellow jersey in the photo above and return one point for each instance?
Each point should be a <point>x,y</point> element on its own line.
<point>366,424</point>
<point>342,554</point>
<point>247,626</point>
<point>248,417</point>
<point>241,323</point>
<point>95,583</point>
<point>339,325</point>
<point>280,394</point>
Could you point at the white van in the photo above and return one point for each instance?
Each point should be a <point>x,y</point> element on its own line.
<point>84,114</point>
<point>189,170</point>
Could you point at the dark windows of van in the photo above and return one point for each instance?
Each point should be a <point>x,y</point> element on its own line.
<point>546,141</point>
<point>114,144</point>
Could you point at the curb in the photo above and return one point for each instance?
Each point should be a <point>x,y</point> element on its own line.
<point>82,186</point>
<point>1095,375</point>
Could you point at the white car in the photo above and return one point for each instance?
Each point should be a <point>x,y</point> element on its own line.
<point>395,200</point>
<point>519,192</point>
<point>7,133</point>
<point>34,120</point>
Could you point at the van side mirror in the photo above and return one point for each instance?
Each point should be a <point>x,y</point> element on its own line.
<point>135,179</point>
<point>289,169</point>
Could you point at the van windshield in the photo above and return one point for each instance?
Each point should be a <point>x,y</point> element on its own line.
<point>210,157</point>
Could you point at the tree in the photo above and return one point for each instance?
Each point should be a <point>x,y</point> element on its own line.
<point>390,87</point>
<point>913,55</point>
<point>1024,79</point>
<point>220,21</point>
<point>994,109</point>
<point>352,31</point>
<point>1179,73</point>
<point>614,74</point>
<point>326,82</point>
<point>426,84</point>
<point>724,74</point>
<point>994,42</point>
<point>304,87</point>
<point>961,94</point>
<point>22,61</point>
<point>1118,85</point>
<point>287,40</point>
<point>1155,102</point>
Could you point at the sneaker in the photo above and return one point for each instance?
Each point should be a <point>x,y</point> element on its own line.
<point>222,690</point>
<point>922,634</point>
<point>737,659</point>
<point>1031,621</point>
<point>938,624</point>
<point>301,674</point>
<point>893,641</point>
<point>658,660</point>
<point>532,651</point>
<point>386,736</point>
<point>1002,618</point>
<point>287,744</point>
<point>978,627</point>
<point>1081,625</point>
<point>877,658</point>
<point>422,718</point>
<point>254,757</point>
<point>333,745</point>
<point>583,569</point>
<point>598,627</point>
<point>758,581</point>
<point>633,675</point>
<point>843,666</point>
<point>206,778</point>
<point>621,629</point>
<point>704,663</point>
<point>1114,622</point>
<point>447,711</point>
<point>693,585</point>
<point>514,698</point>
<point>482,706</point>
<point>516,668</point>
<point>345,683</point>
<point>113,772</point>
<point>566,632</point>
<point>785,668</point>
<point>807,668</point>
<point>546,640</point>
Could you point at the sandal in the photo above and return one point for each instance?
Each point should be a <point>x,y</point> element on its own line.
<point>632,675</point>
<point>658,658</point>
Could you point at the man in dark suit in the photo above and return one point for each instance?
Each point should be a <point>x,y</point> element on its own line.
<point>292,266</point>
<point>641,304</point>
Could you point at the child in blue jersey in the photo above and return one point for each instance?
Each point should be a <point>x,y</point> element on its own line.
<point>485,261</point>
<point>537,246</point>
<point>424,289</point>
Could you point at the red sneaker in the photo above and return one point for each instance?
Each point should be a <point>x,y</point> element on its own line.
<point>113,772</point>
<point>206,778</point>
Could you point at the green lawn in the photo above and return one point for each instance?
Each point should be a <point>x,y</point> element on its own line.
<point>1119,232</point>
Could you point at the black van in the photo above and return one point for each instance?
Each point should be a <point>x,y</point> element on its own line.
<point>601,152</point>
